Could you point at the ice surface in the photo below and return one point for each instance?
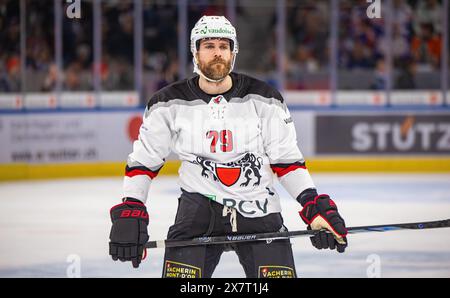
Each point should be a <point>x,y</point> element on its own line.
<point>46,227</point>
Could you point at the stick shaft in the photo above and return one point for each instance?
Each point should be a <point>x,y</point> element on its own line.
<point>301,233</point>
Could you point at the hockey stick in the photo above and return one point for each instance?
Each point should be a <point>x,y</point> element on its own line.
<point>302,233</point>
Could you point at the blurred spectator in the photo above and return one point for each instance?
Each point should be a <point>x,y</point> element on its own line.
<point>74,79</point>
<point>303,61</point>
<point>83,56</point>
<point>380,78</point>
<point>9,46</point>
<point>160,41</point>
<point>170,73</point>
<point>123,74</point>
<point>426,47</point>
<point>119,42</point>
<point>402,17</point>
<point>10,80</point>
<point>400,44</point>
<point>10,36</point>
<point>50,79</point>
<point>406,76</point>
<point>160,27</point>
<point>308,26</point>
<point>360,38</point>
<point>360,57</point>
<point>428,11</point>
<point>108,81</point>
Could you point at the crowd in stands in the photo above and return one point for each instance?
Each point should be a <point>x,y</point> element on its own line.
<point>9,46</point>
<point>362,42</point>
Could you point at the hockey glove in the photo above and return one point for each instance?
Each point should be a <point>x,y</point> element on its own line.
<point>128,232</point>
<point>320,213</point>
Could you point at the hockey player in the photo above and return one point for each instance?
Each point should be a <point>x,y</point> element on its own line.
<point>232,133</point>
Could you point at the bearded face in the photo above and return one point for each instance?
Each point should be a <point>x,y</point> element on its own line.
<point>217,69</point>
<point>214,58</point>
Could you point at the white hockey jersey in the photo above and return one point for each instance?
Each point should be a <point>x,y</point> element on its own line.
<point>232,146</point>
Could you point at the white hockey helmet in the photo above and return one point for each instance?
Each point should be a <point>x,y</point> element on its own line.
<point>213,27</point>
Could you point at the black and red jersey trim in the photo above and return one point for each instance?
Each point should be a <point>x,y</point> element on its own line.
<point>140,170</point>
<point>282,169</point>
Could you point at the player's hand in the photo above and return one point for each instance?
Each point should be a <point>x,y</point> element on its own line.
<point>128,232</point>
<point>321,213</point>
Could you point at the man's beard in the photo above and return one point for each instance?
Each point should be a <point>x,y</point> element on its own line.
<point>217,69</point>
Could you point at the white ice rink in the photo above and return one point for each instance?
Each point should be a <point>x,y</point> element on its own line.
<point>51,228</point>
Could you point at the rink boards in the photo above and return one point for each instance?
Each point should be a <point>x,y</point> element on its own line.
<point>80,142</point>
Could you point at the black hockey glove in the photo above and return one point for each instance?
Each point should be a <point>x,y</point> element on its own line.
<point>129,231</point>
<point>320,213</point>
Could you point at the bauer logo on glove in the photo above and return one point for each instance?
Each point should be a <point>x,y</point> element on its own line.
<point>128,232</point>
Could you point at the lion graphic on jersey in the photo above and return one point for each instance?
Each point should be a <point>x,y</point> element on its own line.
<point>229,173</point>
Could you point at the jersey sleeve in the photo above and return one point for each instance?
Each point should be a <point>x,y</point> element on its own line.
<point>280,144</point>
<point>149,153</point>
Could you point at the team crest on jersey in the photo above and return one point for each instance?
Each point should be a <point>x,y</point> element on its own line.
<point>228,175</point>
<point>217,99</point>
<point>248,167</point>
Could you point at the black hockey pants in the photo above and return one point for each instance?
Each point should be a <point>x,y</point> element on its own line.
<point>199,216</point>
